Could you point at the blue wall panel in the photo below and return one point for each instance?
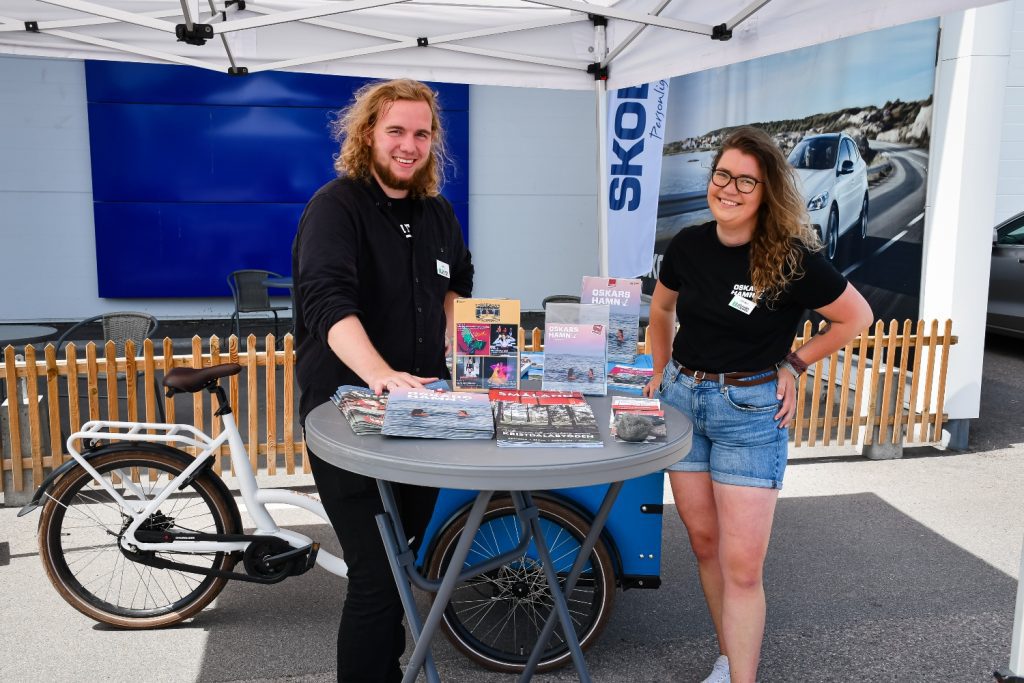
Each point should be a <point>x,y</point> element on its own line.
<point>196,174</point>
<point>154,249</point>
<point>208,153</point>
<point>164,84</point>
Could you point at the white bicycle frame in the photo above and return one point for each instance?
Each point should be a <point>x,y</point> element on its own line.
<point>255,498</point>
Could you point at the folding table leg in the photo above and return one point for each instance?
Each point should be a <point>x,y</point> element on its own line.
<point>396,547</point>
<point>559,597</point>
<point>444,593</point>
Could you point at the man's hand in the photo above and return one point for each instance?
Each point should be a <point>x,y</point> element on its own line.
<point>786,394</point>
<point>392,380</point>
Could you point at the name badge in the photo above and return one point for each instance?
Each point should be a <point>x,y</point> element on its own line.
<point>742,304</point>
<point>442,269</point>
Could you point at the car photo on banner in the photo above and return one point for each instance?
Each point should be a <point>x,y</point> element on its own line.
<point>859,149</point>
<point>834,183</point>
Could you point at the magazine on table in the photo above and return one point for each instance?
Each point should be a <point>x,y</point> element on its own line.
<point>535,368</point>
<point>544,419</point>
<point>622,296</point>
<point>637,420</point>
<point>437,415</point>
<point>627,378</point>
<point>575,348</point>
<point>364,410</point>
<point>485,352</point>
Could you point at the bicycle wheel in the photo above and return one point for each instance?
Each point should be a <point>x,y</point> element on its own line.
<point>496,618</point>
<point>81,526</point>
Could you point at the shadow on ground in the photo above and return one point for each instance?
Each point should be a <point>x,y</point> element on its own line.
<point>857,591</point>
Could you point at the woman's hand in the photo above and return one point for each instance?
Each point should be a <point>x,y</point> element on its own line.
<point>651,388</point>
<point>786,395</point>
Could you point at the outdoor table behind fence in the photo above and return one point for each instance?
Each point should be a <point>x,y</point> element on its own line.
<point>896,395</point>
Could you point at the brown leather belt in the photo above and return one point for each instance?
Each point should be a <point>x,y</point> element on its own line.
<point>736,379</point>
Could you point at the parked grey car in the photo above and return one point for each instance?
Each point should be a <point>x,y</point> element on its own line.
<point>1006,283</point>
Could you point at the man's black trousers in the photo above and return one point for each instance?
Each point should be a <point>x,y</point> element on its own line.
<point>371,638</point>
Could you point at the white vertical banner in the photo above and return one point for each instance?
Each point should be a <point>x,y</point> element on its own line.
<point>636,127</point>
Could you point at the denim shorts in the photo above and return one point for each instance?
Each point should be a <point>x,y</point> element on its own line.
<point>735,434</point>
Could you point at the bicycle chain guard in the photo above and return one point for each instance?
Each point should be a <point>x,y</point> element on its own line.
<point>267,559</point>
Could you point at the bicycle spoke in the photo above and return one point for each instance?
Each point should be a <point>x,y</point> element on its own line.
<point>88,524</point>
<point>500,615</point>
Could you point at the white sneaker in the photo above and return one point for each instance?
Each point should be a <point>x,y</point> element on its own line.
<point>720,672</point>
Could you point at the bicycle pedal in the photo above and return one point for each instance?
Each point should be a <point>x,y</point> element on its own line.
<point>314,548</point>
<point>308,551</point>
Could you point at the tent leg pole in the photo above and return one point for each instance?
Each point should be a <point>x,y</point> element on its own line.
<point>601,93</point>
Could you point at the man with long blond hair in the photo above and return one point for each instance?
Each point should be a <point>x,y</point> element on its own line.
<point>378,262</point>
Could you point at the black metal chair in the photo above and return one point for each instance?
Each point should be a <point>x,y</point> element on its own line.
<point>252,296</point>
<point>119,327</point>
<point>560,299</point>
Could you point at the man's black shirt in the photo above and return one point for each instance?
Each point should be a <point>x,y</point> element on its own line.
<point>352,255</point>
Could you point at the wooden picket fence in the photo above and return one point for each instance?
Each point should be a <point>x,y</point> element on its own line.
<point>885,399</point>
<point>267,378</point>
<point>884,385</point>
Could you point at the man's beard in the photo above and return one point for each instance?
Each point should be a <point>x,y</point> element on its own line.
<point>416,184</point>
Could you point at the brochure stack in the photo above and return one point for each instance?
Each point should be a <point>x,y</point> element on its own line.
<point>575,348</point>
<point>622,296</point>
<point>535,419</point>
<point>486,345</point>
<point>363,410</point>
<point>638,420</point>
<point>438,415</point>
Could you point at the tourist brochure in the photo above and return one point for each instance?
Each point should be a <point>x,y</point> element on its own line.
<point>437,415</point>
<point>622,296</point>
<point>637,420</point>
<point>544,419</point>
<point>626,378</point>
<point>363,410</point>
<point>535,368</point>
<point>485,352</point>
<point>575,348</point>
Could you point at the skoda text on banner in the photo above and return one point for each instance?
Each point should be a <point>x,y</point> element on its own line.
<point>636,125</point>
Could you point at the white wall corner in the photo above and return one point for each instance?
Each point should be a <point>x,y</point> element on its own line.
<point>970,84</point>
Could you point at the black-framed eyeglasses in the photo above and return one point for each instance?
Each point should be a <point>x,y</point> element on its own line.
<point>744,183</point>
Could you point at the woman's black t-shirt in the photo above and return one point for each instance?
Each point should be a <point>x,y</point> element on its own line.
<point>721,329</point>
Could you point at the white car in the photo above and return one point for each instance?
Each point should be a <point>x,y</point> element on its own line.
<point>834,183</point>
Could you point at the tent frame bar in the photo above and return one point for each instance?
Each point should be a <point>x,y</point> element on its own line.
<point>612,13</point>
<point>216,23</point>
<point>116,14</point>
<point>745,13</point>
<point>628,40</point>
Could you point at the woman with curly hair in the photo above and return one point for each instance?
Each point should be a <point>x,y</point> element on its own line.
<point>739,287</point>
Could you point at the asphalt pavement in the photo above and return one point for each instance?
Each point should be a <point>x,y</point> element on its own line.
<point>877,571</point>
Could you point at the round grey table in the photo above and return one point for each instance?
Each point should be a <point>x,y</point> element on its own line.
<point>25,334</point>
<point>283,282</point>
<point>481,465</point>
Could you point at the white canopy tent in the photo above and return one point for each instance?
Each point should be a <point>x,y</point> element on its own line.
<point>542,43</point>
<point>567,44</point>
